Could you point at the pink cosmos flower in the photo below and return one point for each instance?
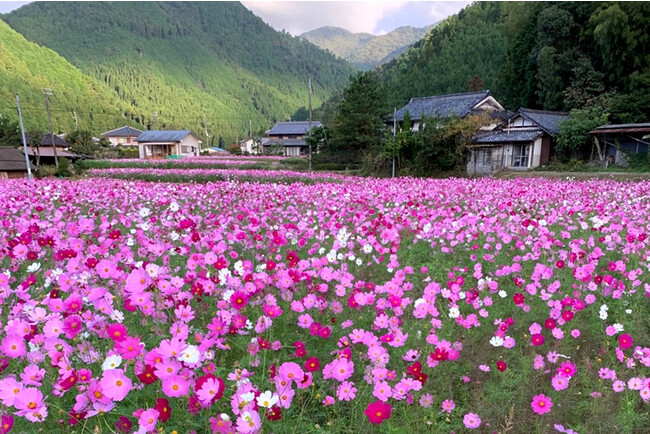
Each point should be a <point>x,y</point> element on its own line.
<point>342,369</point>
<point>541,404</point>
<point>148,419</point>
<point>560,382</point>
<point>175,386</point>
<point>115,384</point>
<point>346,391</point>
<point>448,405</point>
<point>9,390</point>
<point>29,403</point>
<point>472,421</point>
<point>382,391</point>
<point>13,346</point>
<point>291,371</point>
<point>248,422</point>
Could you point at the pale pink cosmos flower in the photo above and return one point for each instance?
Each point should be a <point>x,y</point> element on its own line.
<point>9,390</point>
<point>472,421</point>
<point>382,391</point>
<point>346,391</point>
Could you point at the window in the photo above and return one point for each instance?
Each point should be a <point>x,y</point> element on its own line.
<point>520,155</point>
<point>186,149</point>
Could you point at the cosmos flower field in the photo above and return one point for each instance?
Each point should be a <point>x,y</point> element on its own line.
<point>358,305</point>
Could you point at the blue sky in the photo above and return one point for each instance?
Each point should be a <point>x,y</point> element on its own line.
<point>376,17</point>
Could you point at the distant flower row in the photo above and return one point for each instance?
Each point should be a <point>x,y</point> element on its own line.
<point>218,174</point>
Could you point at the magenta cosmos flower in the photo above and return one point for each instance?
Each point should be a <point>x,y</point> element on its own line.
<point>377,412</point>
<point>541,404</point>
<point>625,341</point>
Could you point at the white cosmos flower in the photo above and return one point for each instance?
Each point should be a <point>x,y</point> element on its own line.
<point>267,399</point>
<point>503,294</point>
<point>454,313</point>
<point>173,206</point>
<point>247,397</point>
<point>496,341</point>
<point>190,355</point>
<point>144,212</point>
<point>603,315</point>
<point>112,362</point>
<point>34,267</point>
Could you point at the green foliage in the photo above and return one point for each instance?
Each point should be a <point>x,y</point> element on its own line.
<point>358,125</point>
<point>540,55</point>
<point>65,169</point>
<point>441,145</point>
<point>9,132</point>
<point>186,60</point>
<point>27,68</point>
<point>574,138</point>
<point>81,142</point>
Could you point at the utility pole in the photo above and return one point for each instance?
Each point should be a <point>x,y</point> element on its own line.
<point>76,121</point>
<point>48,92</point>
<point>394,142</point>
<point>155,119</point>
<point>205,127</point>
<point>309,83</point>
<point>22,130</point>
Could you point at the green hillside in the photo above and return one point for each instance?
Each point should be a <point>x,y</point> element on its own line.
<point>202,65</point>
<point>547,55</point>
<point>363,50</point>
<point>26,68</point>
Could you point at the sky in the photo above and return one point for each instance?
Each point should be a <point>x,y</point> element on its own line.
<point>375,17</point>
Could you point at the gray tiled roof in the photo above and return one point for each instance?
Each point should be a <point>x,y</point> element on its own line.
<point>125,131</point>
<point>163,136</point>
<point>509,137</point>
<point>12,160</point>
<point>442,106</point>
<point>47,141</point>
<point>548,121</point>
<point>281,128</point>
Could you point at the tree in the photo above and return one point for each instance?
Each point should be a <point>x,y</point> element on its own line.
<point>358,126</point>
<point>319,140</point>
<point>9,132</point>
<point>81,142</point>
<point>574,139</point>
<point>444,145</point>
<point>586,84</point>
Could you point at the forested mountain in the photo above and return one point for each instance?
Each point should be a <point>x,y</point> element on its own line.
<point>26,68</point>
<point>363,50</point>
<point>211,66</point>
<point>546,55</point>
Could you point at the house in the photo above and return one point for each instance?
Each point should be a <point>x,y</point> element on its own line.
<point>249,147</point>
<point>289,136</point>
<point>124,136</point>
<point>524,141</point>
<point>12,163</point>
<point>44,152</point>
<point>445,106</point>
<point>168,144</point>
<point>620,139</point>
